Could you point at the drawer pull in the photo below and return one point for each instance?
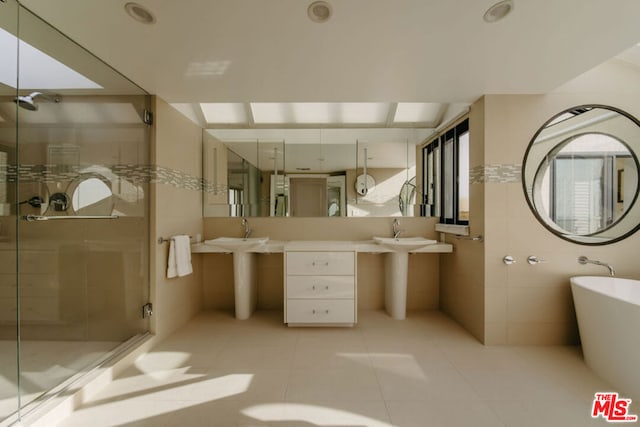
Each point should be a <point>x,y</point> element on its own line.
<point>327,287</point>
<point>326,263</point>
<point>316,312</point>
<point>313,287</point>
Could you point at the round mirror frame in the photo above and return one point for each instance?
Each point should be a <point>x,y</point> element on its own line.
<point>555,229</point>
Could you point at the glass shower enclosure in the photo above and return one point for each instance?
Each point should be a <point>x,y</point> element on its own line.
<point>74,211</point>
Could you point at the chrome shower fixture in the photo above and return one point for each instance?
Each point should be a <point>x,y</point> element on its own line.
<point>35,201</point>
<point>28,102</point>
<point>60,201</point>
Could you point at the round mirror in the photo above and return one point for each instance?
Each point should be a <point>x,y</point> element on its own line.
<point>91,195</point>
<point>580,174</point>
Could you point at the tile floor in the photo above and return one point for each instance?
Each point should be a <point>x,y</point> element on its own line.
<point>44,365</point>
<point>423,371</point>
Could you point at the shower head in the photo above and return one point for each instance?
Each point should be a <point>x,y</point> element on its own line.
<point>28,102</point>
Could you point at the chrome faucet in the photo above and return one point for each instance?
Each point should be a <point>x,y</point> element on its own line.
<point>247,230</point>
<point>584,260</point>
<point>396,229</point>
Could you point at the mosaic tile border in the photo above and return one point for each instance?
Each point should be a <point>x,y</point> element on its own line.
<point>214,189</point>
<point>175,178</point>
<point>136,174</point>
<point>497,174</point>
<point>155,174</point>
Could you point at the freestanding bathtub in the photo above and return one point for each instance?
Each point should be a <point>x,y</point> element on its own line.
<point>608,312</point>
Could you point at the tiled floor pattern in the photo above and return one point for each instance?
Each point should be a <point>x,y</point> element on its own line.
<point>423,371</point>
<point>44,364</point>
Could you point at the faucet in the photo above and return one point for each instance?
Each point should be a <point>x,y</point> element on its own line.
<point>584,260</point>
<point>396,230</point>
<point>247,230</point>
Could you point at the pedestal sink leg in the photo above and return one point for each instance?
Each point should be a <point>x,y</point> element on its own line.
<point>395,288</point>
<point>245,283</point>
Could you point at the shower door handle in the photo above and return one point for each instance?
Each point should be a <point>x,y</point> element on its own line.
<point>31,218</point>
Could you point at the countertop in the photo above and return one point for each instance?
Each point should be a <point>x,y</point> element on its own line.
<point>280,246</point>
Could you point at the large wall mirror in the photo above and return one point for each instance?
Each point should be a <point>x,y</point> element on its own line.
<point>310,172</point>
<point>580,174</point>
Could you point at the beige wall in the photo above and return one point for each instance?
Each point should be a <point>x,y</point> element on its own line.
<point>462,284</point>
<point>177,144</point>
<point>527,304</point>
<point>423,285</point>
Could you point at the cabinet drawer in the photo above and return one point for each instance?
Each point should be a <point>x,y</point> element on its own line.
<point>320,287</point>
<point>321,311</point>
<point>321,263</point>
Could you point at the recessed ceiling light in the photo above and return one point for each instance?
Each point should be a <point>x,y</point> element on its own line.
<point>498,11</point>
<point>319,11</point>
<point>139,13</point>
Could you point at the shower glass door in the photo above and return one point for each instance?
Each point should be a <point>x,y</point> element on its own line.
<point>9,378</point>
<point>74,217</point>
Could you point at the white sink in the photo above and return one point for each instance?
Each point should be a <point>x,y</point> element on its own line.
<point>237,244</point>
<point>245,280</point>
<point>404,244</point>
<point>396,271</point>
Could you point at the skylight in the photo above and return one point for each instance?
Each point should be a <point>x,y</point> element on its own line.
<point>416,112</point>
<point>224,113</point>
<point>364,112</point>
<point>269,112</point>
<point>320,112</point>
<point>37,69</point>
<point>339,114</point>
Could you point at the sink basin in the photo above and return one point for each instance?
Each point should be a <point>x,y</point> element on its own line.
<point>396,271</point>
<point>237,244</point>
<point>404,244</point>
<point>245,280</point>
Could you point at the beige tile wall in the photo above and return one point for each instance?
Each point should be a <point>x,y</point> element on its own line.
<point>532,304</point>
<point>177,144</point>
<point>462,284</point>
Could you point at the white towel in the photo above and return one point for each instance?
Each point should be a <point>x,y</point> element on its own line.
<point>179,263</point>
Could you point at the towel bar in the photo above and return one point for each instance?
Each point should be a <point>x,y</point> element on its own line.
<point>162,240</point>
<point>478,238</point>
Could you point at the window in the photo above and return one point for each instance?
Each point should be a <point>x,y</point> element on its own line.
<point>446,175</point>
<point>583,191</point>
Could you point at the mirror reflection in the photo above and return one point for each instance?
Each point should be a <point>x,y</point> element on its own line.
<point>310,172</point>
<point>90,195</point>
<point>581,174</point>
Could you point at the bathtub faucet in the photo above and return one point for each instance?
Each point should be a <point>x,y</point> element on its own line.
<point>584,260</point>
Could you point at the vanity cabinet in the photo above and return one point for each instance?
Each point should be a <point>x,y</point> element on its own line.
<point>320,288</point>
